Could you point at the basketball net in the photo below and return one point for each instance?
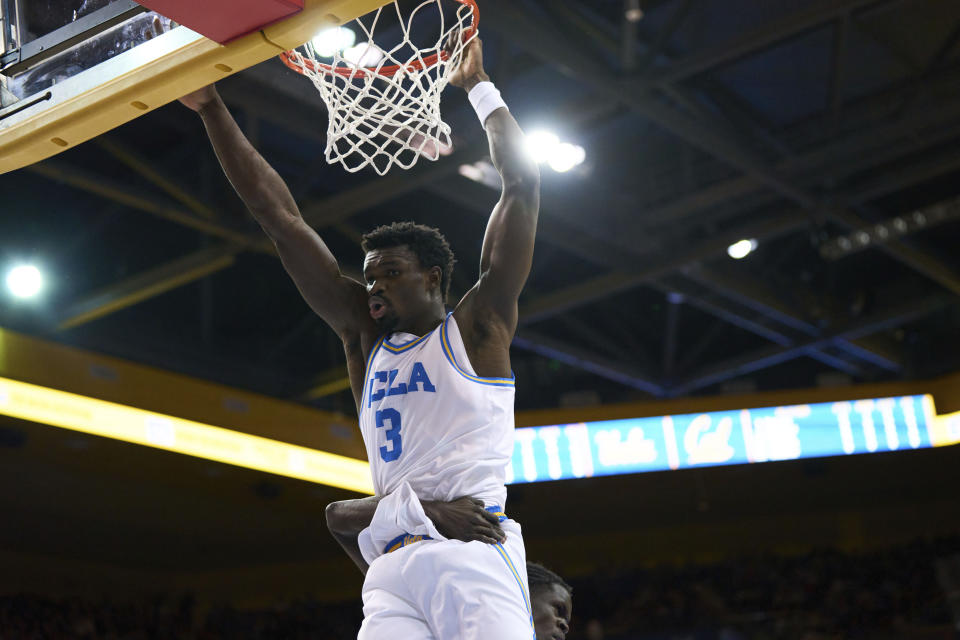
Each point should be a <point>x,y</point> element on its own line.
<point>388,113</point>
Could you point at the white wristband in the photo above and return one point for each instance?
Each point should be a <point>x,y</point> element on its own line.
<point>485,99</point>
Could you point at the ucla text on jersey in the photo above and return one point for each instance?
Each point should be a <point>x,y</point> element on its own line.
<point>386,380</point>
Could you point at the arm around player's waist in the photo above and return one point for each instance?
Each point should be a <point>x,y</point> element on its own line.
<point>346,519</point>
<point>463,519</point>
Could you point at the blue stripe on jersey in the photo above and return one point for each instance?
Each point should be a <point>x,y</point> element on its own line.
<point>448,352</point>
<point>405,539</point>
<point>366,370</point>
<point>497,510</point>
<point>400,348</point>
<point>526,600</point>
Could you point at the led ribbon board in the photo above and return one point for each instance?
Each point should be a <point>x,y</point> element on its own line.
<point>729,437</point>
<point>540,453</point>
<point>80,413</point>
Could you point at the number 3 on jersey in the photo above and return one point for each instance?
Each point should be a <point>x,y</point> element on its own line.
<point>395,448</point>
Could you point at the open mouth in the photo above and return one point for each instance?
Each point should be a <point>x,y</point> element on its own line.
<point>378,308</point>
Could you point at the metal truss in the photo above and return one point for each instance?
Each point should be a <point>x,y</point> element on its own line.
<point>792,178</point>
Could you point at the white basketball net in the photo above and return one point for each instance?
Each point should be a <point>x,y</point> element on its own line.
<point>388,113</point>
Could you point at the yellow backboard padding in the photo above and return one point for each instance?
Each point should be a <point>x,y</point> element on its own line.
<point>151,75</point>
<point>111,420</point>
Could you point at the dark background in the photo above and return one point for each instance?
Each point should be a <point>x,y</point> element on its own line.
<point>795,123</point>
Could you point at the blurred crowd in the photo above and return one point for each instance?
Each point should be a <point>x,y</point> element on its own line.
<point>29,617</point>
<point>822,595</point>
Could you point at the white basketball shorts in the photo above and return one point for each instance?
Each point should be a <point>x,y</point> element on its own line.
<point>449,590</point>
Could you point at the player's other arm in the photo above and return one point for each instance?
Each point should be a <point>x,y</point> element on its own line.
<point>461,519</point>
<point>346,519</point>
<point>507,253</point>
<point>336,298</point>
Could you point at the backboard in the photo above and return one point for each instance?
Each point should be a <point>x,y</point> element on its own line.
<point>113,60</point>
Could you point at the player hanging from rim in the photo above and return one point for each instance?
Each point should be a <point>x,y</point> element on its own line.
<point>551,598</point>
<point>434,391</point>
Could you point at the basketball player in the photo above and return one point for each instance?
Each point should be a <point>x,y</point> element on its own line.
<point>551,598</point>
<point>552,601</point>
<point>434,391</point>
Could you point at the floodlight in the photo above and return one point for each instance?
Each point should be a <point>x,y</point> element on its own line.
<point>541,145</point>
<point>365,54</point>
<point>566,156</point>
<point>471,172</point>
<point>483,172</point>
<point>741,248</point>
<point>24,281</point>
<point>329,41</point>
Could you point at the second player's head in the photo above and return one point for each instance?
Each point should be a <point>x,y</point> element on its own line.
<point>407,269</point>
<point>551,599</point>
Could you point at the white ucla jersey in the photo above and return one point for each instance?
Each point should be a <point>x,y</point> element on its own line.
<point>429,420</point>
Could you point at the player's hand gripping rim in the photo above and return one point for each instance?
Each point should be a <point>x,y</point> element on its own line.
<point>469,68</point>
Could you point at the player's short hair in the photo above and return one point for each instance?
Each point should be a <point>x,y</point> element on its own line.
<point>427,243</point>
<point>539,577</point>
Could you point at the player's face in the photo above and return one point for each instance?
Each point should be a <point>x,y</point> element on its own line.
<point>552,608</point>
<point>399,288</point>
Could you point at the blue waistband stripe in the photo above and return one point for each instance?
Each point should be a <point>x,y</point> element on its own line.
<point>405,539</point>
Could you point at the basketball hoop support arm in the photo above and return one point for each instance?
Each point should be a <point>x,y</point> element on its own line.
<point>148,76</point>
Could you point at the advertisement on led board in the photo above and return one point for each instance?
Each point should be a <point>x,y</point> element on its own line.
<point>742,436</point>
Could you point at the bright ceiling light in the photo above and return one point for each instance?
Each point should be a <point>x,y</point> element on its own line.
<point>541,145</point>
<point>566,156</point>
<point>24,281</point>
<point>471,172</point>
<point>365,54</point>
<point>329,41</point>
<point>741,248</point>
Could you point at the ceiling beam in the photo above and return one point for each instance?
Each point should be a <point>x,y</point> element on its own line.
<point>739,318</point>
<point>757,39</point>
<point>746,290</point>
<point>907,134</point>
<point>752,41</point>
<point>123,195</point>
<point>771,356</point>
<point>650,268</point>
<point>331,381</point>
<point>148,171</point>
<point>146,285</point>
<point>588,361</point>
<point>547,45</point>
<point>838,65</point>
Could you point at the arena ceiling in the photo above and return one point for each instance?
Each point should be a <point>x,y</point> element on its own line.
<point>803,125</point>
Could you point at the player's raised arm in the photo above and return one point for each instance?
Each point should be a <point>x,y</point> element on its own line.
<point>339,300</point>
<point>507,252</point>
